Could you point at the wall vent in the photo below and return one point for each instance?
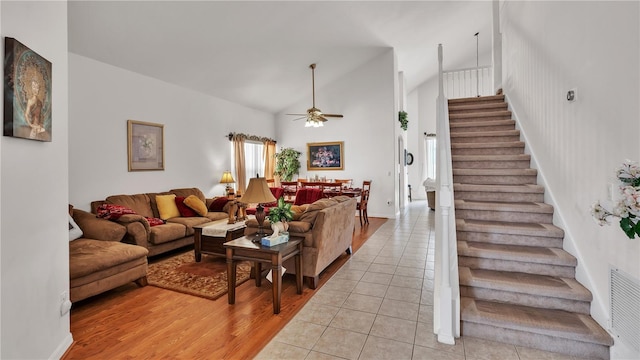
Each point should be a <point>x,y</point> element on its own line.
<point>625,307</point>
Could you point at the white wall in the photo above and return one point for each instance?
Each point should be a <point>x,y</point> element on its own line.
<point>549,48</point>
<point>34,196</point>
<point>366,98</point>
<point>103,97</point>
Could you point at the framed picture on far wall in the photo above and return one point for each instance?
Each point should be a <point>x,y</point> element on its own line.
<point>27,92</point>
<point>325,156</point>
<point>145,146</point>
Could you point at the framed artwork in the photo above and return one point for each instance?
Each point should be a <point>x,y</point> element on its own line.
<point>325,156</point>
<point>145,146</point>
<point>27,90</point>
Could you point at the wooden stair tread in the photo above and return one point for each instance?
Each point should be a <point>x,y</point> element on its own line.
<point>487,145</point>
<point>555,323</point>
<point>496,172</point>
<point>477,99</point>
<point>461,124</point>
<point>480,114</point>
<point>485,133</point>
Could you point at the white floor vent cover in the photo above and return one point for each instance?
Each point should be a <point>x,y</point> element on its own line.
<point>625,307</point>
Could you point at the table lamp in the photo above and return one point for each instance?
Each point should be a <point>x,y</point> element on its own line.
<point>227,179</point>
<point>258,192</point>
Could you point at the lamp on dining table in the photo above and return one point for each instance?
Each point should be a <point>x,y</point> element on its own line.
<point>258,192</point>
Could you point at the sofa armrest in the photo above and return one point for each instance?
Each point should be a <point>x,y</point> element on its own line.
<point>98,229</point>
<point>137,227</point>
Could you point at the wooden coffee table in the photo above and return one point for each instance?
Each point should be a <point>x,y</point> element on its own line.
<point>244,249</point>
<point>209,237</point>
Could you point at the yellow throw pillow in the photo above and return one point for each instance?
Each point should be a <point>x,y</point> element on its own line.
<point>196,205</point>
<point>167,206</point>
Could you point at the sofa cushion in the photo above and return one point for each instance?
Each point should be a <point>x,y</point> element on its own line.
<point>312,210</point>
<point>218,204</point>
<point>299,226</point>
<point>216,215</point>
<point>184,210</point>
<point>167,232</point>
<point>87,256</point>
<point>197,205</point>
<point>138,203</point>
<point>112,211</point>
<point>167,206</point>
<point>189,222</point>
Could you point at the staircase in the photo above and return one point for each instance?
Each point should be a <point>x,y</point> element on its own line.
<point>517,284</point>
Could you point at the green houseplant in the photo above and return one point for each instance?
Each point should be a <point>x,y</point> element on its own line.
<point>287,164</point>
<point>279,215</point>
<point>402,118</point>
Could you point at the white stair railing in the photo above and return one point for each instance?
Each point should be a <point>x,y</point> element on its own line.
<point>446,308</point>
<point>470,82</point>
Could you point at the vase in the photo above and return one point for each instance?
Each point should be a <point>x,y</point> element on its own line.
<point>279,227</point>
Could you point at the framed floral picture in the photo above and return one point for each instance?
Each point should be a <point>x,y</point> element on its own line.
<point>325,156</point>
<point>145,146</point>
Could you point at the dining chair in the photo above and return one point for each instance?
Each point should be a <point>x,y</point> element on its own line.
<point>362,207</point>
<point>290,190</point>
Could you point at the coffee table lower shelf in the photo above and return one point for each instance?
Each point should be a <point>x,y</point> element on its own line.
<point>212,245</point>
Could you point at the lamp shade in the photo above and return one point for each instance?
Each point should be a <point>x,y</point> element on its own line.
<point>227,178</point>
<point>257,192</point>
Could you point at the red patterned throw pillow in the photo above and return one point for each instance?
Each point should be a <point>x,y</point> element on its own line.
<point>154,221</point>
<point>218,204</point>
<point>184,210</point>
<point>112,211</point>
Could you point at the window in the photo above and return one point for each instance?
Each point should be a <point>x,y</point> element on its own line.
<point>253,159</point>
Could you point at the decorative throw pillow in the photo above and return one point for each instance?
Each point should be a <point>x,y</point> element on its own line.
<point>154,221</point>
<point>298,210</point>
<point>112,211</point>
<point>74,230</point>
<point>167,206</point>
<point>184,210</point>
<point>218,204</point>
<point>196,205</point>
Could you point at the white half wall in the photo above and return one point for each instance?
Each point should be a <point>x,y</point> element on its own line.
<point>33,198</point>
<point>103,97</point>
<point>594,47</point>
<point>369,129</point>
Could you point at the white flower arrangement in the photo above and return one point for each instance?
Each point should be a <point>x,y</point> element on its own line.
<point>626,205</point>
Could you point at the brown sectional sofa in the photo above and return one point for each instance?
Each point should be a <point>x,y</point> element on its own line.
<point>327,228</point>
<point>98,261</point>
<point>175,233</point>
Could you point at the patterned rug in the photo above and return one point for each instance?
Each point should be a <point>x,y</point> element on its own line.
<point>207,278</point>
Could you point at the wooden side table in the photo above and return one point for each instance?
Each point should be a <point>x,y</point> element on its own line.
<point>244,249</point>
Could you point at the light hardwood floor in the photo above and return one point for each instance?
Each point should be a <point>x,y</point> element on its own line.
<point>153,323</point>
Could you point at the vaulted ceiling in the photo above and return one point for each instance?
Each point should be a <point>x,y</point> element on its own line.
<point>257,53</point>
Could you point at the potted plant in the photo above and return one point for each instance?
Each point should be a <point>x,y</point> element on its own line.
<point>279,215</point>
<point>404,122</point>
<point>287,164</point>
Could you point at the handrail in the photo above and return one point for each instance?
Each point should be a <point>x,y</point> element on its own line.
<point>446,290</point>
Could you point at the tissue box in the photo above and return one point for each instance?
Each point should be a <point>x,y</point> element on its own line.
<point>282,238</point>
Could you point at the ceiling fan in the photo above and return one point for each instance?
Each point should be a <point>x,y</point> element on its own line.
<point>314,117</point>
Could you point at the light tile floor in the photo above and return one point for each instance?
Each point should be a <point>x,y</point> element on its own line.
<point>379,305</point>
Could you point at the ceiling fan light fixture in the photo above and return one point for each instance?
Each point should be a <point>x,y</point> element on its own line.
<point>313,123</point>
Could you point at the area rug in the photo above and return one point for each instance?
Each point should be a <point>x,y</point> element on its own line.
<point>207,278</point>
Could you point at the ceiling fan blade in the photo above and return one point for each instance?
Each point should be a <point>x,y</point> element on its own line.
<point>322,118</point>
<point>332,115</point>
<point>297,114</point>
<point>300,118</point>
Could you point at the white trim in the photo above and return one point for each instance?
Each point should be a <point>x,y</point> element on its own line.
<point>62,348</point>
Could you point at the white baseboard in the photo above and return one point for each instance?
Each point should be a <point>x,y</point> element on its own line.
<point>62,348</point>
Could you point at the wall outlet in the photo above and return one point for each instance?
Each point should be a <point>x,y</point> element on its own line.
<point>65,303</point>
